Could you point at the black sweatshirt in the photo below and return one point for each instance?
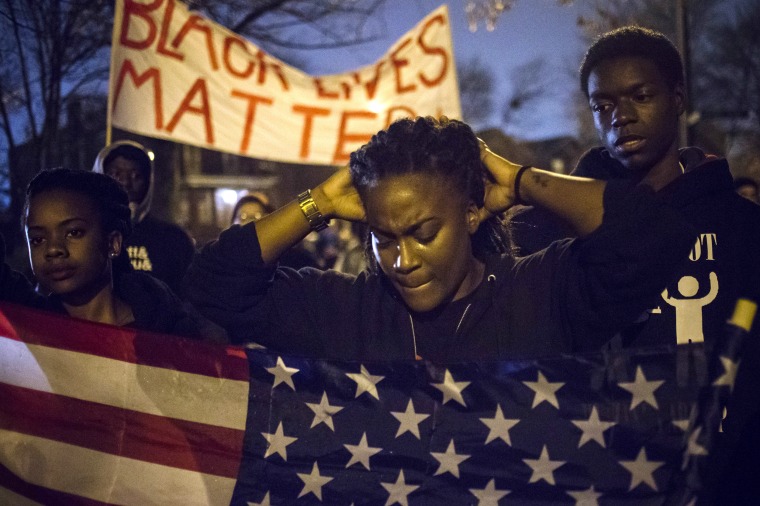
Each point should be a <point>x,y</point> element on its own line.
<point>155,307</point>
<point>572,296</point>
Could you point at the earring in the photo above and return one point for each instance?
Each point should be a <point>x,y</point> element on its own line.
<point>113,254</point>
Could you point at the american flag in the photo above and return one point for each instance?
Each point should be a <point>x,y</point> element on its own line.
<point>92,414</point>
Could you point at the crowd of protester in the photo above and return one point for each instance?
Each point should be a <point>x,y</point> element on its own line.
<point>430,246</point>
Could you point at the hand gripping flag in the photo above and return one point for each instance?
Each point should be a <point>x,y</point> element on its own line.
<point>93,414</point>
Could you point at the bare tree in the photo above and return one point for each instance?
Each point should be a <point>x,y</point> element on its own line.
<point>476,85</point>
<point>662,16</point>
<point>728,81</point>
<point>54,51</point>
<point>282,27</point>
<point>531,82</point>
<point>720,55</point>
<point>49,52</point>
<point>609,14</point>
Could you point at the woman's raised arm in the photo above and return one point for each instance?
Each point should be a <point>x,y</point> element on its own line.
<point>578,200</point>
<point>336,197</point>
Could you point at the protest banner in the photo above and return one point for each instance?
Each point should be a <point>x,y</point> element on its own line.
<point>176,75</point>
<point>94,414</point>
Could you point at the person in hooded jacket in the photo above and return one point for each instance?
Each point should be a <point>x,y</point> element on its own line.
<point>158,247</point>
<point>633,78</point>
<point>634,81</point>
<point>75,223</point>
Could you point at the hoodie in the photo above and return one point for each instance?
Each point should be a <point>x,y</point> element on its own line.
<point>155,246</point>
<point>723,262</point>
<point>139,209</point>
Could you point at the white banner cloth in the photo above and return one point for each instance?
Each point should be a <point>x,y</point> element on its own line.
<point>177,75</point>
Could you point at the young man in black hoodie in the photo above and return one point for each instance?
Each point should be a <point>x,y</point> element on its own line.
<point>633,79</point>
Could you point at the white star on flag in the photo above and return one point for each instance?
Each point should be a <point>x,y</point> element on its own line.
<point>278,443</point>
<point>452,390</point>
<point>489,496</point>
<point>728,378</point>
<point>642,390</point>
<point>323,412</point>
<point>409,420</point>
<point>499,426</point>
<point>361,453</point>
<point>313,482</point>
<point>641,470</point>
<point>586,497</point>
<point>543,468</point>
<point>449,461</point>
<point>366,382</point>
<point>593,429</point>
<point>693,447</point>
<point>545,391</point>
<point>282,374</point>
<point>264,502</point>
<point>681,424</point>
<point>399,491</point>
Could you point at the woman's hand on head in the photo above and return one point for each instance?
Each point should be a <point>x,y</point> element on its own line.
<point>337,197</point>
<point>500,189</point>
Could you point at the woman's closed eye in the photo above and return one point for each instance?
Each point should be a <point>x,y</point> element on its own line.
<point>382,240</point>
<point>427,232</point>
<point>426,238</point>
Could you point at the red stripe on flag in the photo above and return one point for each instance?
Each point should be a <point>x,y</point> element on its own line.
<point>129,345</point>
<point>161,440</point>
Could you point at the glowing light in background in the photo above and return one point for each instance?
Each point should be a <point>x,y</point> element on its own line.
<point>224,203</point>
<point>227,196</point>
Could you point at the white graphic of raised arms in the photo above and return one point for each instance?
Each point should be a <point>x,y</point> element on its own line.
<point>689,311</point>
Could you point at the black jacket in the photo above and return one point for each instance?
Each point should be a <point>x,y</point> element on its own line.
<point>155,307</point>
<point>572,296</point>
<point>728,246</point>
<point>162,249</point>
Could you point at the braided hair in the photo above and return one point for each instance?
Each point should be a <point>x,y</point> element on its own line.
<point>441,147</point>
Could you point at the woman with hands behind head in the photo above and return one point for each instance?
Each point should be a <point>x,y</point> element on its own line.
<point>441,283</point>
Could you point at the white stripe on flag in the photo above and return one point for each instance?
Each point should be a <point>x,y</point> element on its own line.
<point>88,473</point>
<point>153,390</point>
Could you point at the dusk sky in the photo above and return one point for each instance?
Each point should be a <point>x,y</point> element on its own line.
<point>531,29</point>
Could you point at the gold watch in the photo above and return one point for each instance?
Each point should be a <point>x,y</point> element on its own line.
<point>310,210</point>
